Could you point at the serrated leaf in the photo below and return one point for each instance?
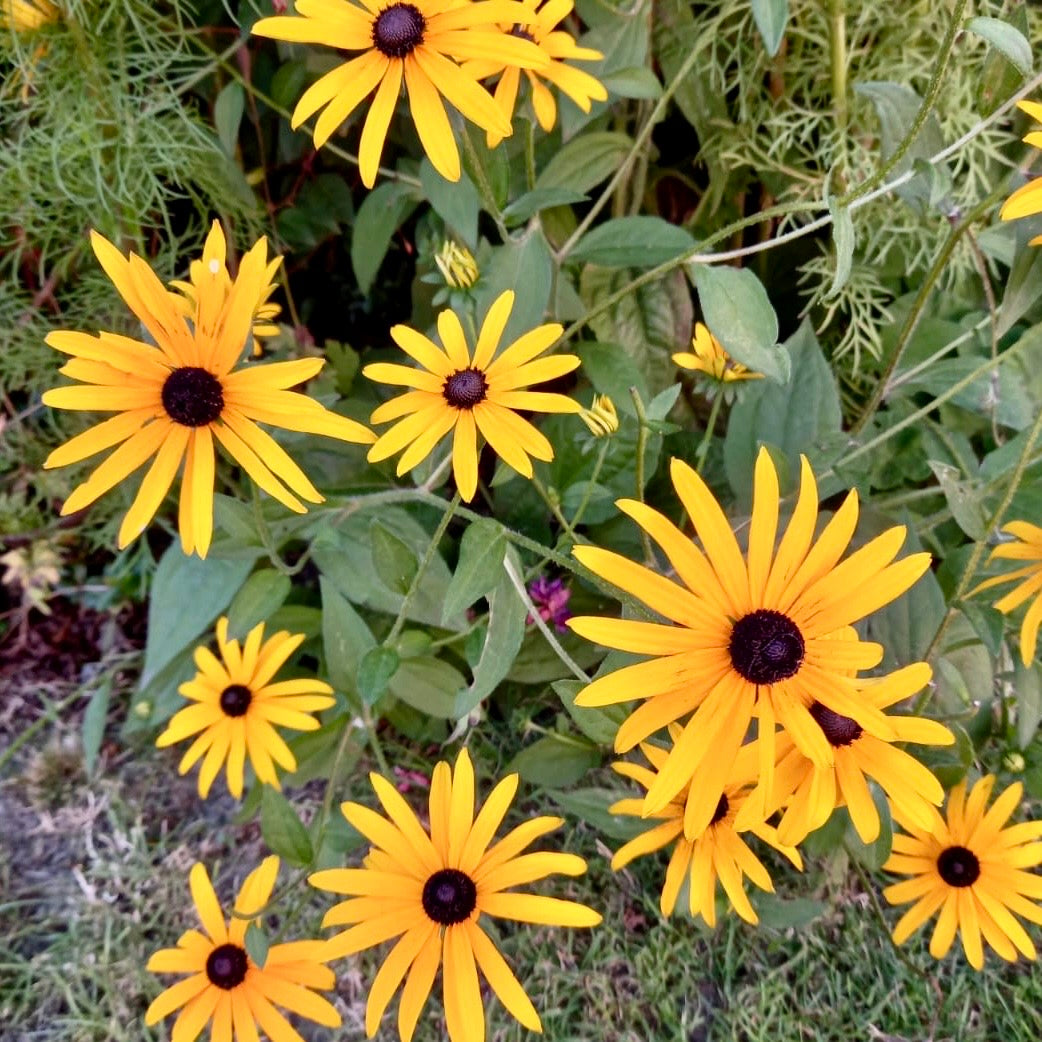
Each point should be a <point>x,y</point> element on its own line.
<point>1005,38</point>
<point>375,671</point>
<point>479,566</point>
<point>636,242</point>
<point>345,638</point>
<point>263,593</point>
<point>771,17</point>
<point>282,829</point>
<point>740,315</point>
<point>393,559</point>
<point>227,115</point>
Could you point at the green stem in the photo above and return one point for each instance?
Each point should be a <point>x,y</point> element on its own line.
<point>642,441</point>
<point>595,474</point>
<point>838,55</point>
<point>703,448</point>
<point>530,177</point>
<point>554,507</point>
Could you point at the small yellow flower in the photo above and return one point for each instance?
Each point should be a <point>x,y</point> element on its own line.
<point>28,15</point>
<point>225,987</point>
<point>601,417</point>
<point>711,358</point>
<point>1027,546</point>
<point>457,265</point>
<point>1026,201</point>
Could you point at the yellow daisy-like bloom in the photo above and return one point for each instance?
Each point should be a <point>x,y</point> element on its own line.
<point>718,852</point>
<point>558,45</point>
<point>1026,201</point>
<point>465,393</point>
<point>226,987</point>
<point>236,706</point>
<point>429,888</point>
<point>749,637</point>
<point>817,789</point>
<point>970,868</point>
<point>212,266</point>
<point>601,417</point>
<point>27,15</point>
<point>457,265</point>
<point>710,358</point>
<point>1026,547</point>
<point>419,42</point>
<point>173,400</point>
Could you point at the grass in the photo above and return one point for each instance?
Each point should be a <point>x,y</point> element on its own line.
<point>97,881</point>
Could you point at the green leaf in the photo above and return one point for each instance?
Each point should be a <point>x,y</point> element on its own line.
<point>844,239</point>
<point>263,593</point>
<point>375,671</point>
<point>282,829</point>
<point>382,212</point>
<point>256,944</point>
<point>493,163</point>
<point>188,593</point>
<point>429,685</point>
<point>600,725</point>
<point>393,559</point>
<point>612,371</point>
<point>964,674</point>
<point>525,266</point>
<point>872,855</point>
<point>739,314</point>
<point>288,83</point>
<point>633,82</point>
<point>1027,682</point>
<point>590,806</point>
<point>585,161</point>
<point>531,203</point>
<point>965,499</point>
<point>555,761</point>
<point>456,203</point>
<point>639,242</point>
<point>227,115</point>
<point>771,17</point>
<point>345,638</point>
<point>94,718</point>
<point>1004,38</point>
<point>479,567</point>
<point>794,417</point>
<point>319,211</point>
<point>788,913</point>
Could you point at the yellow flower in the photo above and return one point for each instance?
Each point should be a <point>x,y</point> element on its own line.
<point>457,265</point>
<point>1026,547</point>
<point>817,789</point>
<point>1027,200</point>
<point>540,27</point>
<point>27,15</point>
<point>466,393</point>
<point>748,636</point>
<point>212,268</point>
<point>718,852</point>
<point>174,399</point>
<point>601,417</point>
<point>711,358</point>
<point>226,988</point>
<point>428,886</point>
<point>236,705</point>
<point>421,42</point>
<point>970,868</point>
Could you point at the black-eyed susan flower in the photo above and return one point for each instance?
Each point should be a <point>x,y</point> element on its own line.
<point>236,707</point>
<point>428,887</point>
<point>710,358</point>
<point>718,852</point>
<point>811,791</point>
<point>1026,545</point>
<point>27,15</point>
<point>457,265</point>
<point>542,28</point>
<point>212,268</point>
<point>418,42</point>
<point>175,399</point>
<point>601,417</point>
<point>748,635</point>
<point>1026,201</point>
<point>224,986</point>
<point>467,393</point>
<point>970,868</point>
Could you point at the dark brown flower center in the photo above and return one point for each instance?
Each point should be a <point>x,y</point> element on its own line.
<point>522,33</point>
<point>449,896</point>
<point>235,699</point>
<point>958,866</point>
<point>839,730</point>
<point>721,811</point>
<point>398,30</point>
<point>192,396</point>
<point>226,966</point>
<point>465,388</point>
<point>766,646</point>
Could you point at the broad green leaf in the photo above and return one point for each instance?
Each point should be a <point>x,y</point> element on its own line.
<point>787,913</point>
<point>456,203</point>
<point>288,83</point>
<point>429,685</point>
<point>637,242</point>
<point>94,718</point>
<point>493,163</point>
<point>1005,38</point>
<point>394,560</point>
<point>590,806</point>
<point>188,594</point>
<point>320,210</point>
<point>263,593</point>
<point>1027,682</point>
<point>256,944</point>
<point>965,499</point>
<point>382,211</point>
<point>555,761</point>
<point>612,371</point>
<point>375,671</point>
<point>585,161</point>
<point>524,266</point>
<point>345,638</point>
<point>740,315</point>
<point>770,17</point>
<point>479,567</point>
<point>964,671</point>
<point>844,240</point>
<point>600,725</point>
<point>872,855</point>
<point>633,82</point>
<point>282,829</point>
<point>531,203</point>
<point>227,115</point>
<point>538,663</point>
